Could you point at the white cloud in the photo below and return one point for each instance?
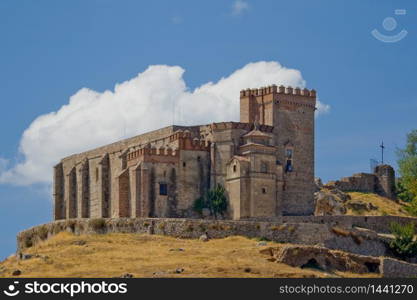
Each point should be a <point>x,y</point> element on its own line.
<point>145,102</point>
<point>239,7</point>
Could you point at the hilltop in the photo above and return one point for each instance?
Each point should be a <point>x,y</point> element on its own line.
<point>142,255</point>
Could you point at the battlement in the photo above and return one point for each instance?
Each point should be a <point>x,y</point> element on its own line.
<point>274,89</point>
<point>239,125</point>
<point>185,142</point>
<point>152,151</point>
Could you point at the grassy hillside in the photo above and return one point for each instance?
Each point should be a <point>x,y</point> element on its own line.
<point>384,205</point>
<point>113,255</point>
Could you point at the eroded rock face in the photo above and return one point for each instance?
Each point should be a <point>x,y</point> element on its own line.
<point>361,205</point>
<point>328,204</point>
<point>323,258</point>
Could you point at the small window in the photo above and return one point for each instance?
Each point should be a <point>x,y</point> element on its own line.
<point>96,174</point>
<point>163,189</point>
<point>263,190</point>
<point>277,162</point>
<point>198,158</point>
<point>234,168</point>
<point>288,153</point>
<point>264,167</point>
<point>288,166</point>
<point>184,164</point>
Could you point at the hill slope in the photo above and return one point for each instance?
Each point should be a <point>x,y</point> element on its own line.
<point>383,206</point>
<point>112,255</point>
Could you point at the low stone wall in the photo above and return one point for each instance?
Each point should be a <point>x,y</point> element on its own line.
<point>379,224</point>
<point>393,268</point>
<point>350,240</point>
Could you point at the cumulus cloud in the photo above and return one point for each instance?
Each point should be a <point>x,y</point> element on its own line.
<point>239,7</point>
<point>153,99</point>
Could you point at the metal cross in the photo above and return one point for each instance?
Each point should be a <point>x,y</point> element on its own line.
<point>382,151</point>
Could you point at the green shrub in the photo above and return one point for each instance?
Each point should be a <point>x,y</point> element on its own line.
<point>214,200</point>
<point>404,244</point>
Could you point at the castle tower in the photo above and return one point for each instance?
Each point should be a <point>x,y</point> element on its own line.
<point>291,112</point>
<point>386,181</point>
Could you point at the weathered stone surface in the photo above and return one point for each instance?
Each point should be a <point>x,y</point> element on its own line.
<point>381,182</point>
<point>323,258</point>
<point>393,268</point>
<point>204,238</point>
<point>318,183</point>
<point>361,205</point>
<point>356,241</point>
<point>328,204</point>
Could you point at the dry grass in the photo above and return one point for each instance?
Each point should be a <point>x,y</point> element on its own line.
<point>112,255</point>
<point>385,206</point>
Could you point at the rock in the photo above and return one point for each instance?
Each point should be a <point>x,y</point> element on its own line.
<point>179,270</point>
<point>393,268</point>
<point>127,275</point>
<point>361,205</point>
<point>324,259</point>
<point>159,273</point>
<point>319,183</point>
<point>340,194</point>
<point>79,242</point>
<point>328,204</point>
<point>177,249</point>
<point>204,238</point>
<point>263,243</point>
<point>26,256</point>
<point>247,270</point>
<point>16,273</point>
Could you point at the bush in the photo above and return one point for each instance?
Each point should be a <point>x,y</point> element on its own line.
<point>214,200</point>
<point>404,244</point>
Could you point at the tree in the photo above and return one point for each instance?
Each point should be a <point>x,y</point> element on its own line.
<point>404,244</point>
<point>407,163</point>
<point>214,200</point>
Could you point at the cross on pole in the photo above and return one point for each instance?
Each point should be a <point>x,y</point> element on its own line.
<point>382,152</point>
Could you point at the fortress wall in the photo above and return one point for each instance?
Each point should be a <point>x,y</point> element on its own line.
<point>122,145</point>
<point>355,241</point>
<point>376,223</point>
<point>361,182</point>
<point>193,178</point>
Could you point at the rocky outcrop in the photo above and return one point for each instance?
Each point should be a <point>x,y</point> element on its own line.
<point>304,256</point>
<point>330,202</point>
<point>359,205</point>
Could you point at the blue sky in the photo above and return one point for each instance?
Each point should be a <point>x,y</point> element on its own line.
<point>51,49</point>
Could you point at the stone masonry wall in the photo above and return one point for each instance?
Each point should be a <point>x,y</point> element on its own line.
<point>333,235</point>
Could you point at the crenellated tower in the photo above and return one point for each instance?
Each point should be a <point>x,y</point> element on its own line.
<point>291,113</point>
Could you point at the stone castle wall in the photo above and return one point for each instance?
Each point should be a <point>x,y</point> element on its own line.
<point>161,173</point>
<point>381,182</point>
<point>291,113</point>
<point>328,235</point>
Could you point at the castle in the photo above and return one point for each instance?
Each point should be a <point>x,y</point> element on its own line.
<point>265,162</point>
